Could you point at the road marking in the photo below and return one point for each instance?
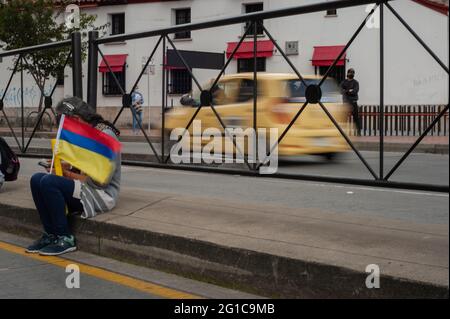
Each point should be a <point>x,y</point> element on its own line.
<point>383,190</point>
<point>103,274</point>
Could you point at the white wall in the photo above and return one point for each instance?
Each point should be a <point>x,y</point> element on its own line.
<point>412,76</point>
<point>31,92</point>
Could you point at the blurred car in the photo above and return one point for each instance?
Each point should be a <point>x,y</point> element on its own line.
<point>280,96</point>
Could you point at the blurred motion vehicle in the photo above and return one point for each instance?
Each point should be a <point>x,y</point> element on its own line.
<point>279,98</point>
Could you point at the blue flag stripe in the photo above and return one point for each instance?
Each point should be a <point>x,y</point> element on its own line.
<point>88,144</point>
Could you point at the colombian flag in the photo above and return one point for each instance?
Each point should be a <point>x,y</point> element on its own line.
<point>88,149</point>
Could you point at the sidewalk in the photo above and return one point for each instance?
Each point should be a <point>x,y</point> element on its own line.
<point>274,251</point>
<point>430,144</point>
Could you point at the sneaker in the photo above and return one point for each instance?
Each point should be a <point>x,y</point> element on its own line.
<point>45,240</point>
<point>62,245</point>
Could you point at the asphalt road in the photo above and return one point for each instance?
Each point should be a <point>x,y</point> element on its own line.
<point>416,206</point>
<point>418,167</point>
<point>24,276</point>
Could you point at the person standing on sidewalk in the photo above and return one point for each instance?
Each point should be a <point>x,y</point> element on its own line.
<point>137,100</point>
<point>74,190</point>
<point>349,90</point>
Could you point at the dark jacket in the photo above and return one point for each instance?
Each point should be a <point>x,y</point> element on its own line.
<point>346,86</point>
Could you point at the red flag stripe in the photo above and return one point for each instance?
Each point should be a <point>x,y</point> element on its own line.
<point>88,131</point>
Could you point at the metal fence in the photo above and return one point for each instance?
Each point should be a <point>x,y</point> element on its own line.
<point>401,120</point>
<point>20,61</point>
<point>380,118</point>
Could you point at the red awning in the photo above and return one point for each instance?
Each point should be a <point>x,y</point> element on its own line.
<point>434,5</point>
<point>115,61</point>
<point>325,55</point>
<point>264,49</point>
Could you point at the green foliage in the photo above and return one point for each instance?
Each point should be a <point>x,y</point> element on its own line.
<point>26,23</point>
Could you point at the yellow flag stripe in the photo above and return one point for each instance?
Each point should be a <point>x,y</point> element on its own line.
<point>98,167</point>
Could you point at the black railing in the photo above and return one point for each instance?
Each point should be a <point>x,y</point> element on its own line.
<point>381,118</point>
<point>401,120</point>
<point>20,62</point>
<point>254,22</point>
<point>33,117</point>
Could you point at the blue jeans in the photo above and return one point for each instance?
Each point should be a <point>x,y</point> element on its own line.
<point>51,195</point>
<point>139,116</point>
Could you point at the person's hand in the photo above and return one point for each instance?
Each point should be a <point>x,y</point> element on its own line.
<point>48,170</point>
<point>74,176</point>
<point>67,173</point>
<point>66,166</point>
<point>49,162</point>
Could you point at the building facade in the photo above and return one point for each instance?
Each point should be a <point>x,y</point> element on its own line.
<point>311,42</point>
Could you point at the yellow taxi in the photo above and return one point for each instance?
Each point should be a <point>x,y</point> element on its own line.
<point>280,97</point>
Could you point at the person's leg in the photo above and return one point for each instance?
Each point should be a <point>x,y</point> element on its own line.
<point>44,213</point>
<point>140,118</point>
<point>48,237</point>
<point>133,113</point>
<point>356,118</point>
<point>58,193</point>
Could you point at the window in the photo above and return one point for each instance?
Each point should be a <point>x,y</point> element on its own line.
<point>110,86</point>
<point>331,13</point>
<point>254,7</point>
<point>183,16</point>
<point>117,23</point>
<point>226,92</point>
<point>295,89</point>
<point>246,91</point>
<point>246,65</point>
<point>180,81</point>
<point>338,72</point>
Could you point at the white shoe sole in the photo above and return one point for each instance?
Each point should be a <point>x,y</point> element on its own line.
<point>32,251</point>
<point>68,250</point>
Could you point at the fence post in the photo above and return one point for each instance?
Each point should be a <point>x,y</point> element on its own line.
<point>22,105</point>
<point>381,114</point>
<point>92,70</point>
<point>164,96</point>
<point>77,72</point>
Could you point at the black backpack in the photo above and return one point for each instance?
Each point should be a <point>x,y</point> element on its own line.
<point>9,165</point>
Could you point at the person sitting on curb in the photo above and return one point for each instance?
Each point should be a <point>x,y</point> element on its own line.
<point>74,190</point>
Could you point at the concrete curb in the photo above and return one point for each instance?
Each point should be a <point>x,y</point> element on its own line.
<point>360,145</point>
<point>403,147</point>
<point>255,272</point>
<point>45,152</point>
